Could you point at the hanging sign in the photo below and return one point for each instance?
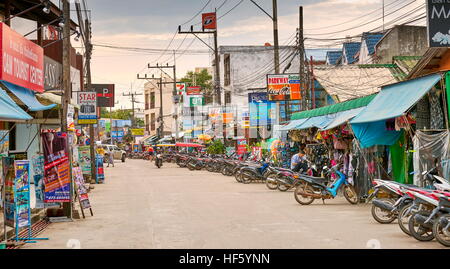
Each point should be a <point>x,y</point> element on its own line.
<point>438,23</point>
<point>88,107</point>
<point>283,87</point>
<point>56,167</point>
<point>137,132</point>
<point>105,94</point>
<point>22,61</point>
<point>209,21</point>
<point>181,87</point>
<point>22,194</point>
<point>196,101</point>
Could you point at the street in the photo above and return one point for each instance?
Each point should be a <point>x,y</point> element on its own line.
<point>140,206</point>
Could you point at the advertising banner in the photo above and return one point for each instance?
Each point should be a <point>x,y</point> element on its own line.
<point>241,146</point>
<point>22,193</point>
<point>38,171</point>
<point>209,21</point>
<point>9,174</point>
<point>81,189</point>
<point>193,90</point>
<point>262,111</point>
<point>438,23</point>
<point>283,87</point>
<point>70,118</point>
<point>22,61</point>
<point>56,167</point>
<point>4,141</point>
<point>137,132</point>
<point>100,171</point>
<point>88,107</point>
<point>105,94</point>
<point>84,157</point>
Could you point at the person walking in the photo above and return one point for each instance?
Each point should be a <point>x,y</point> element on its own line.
<point>110,157</point>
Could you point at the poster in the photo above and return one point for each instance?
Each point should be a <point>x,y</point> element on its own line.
<point>4,141</point>
<point>283,87</point>
<point>22,192</point>
<point>88,107</point>
<point>8,171</point>
<point>81,189</point>
<point>209,21</point>
<point>100,171</point>
<point>56,167</point>
<point>241,146</point>
<point>84,158</point>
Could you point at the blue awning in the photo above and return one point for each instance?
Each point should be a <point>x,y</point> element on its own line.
<point>27,96</point>
<point>319,122</point>
<point>394,100</point>
<point>292,125</point>
<point>9,110</point>
<point>342,117</point>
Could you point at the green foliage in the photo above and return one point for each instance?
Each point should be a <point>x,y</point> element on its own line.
<point>121,114</point>
<point>202,79</point>
<point>217,147</point>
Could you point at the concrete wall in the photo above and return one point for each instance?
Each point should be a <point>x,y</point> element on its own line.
<point>168,106</point>
<point>402,41</point>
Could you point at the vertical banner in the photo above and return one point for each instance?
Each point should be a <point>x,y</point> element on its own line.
<point>100,171</point>
<point>38,170</point>
<point>22,193</point>
<point>56,167</point>
<point>81,189</point>
<point>241,146</point>
<point>8,172</point>
<point>84,157</point>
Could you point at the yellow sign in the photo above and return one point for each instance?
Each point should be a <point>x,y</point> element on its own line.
<point>137,132</point>
<point>87,121</point>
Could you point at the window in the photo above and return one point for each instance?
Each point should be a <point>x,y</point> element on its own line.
<point>153,122</point>
<point>227,97</point>
<point>147,122</point>
<point>146,101</point>
<point>152,100</point>
<point>227,68</point>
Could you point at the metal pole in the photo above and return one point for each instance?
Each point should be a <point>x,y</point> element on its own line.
<point>111,124</point>
<point>313,90</point>
<point>175,93</point>
<point>217,70</point>
<point>275,37</point>
<point>67,207</point>
<point>302,58</point>
<point>161,120</point>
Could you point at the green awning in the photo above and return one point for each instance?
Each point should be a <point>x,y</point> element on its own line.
<point>339,107</point>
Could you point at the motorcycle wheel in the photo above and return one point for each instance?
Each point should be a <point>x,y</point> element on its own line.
<point>381,215</point>
<point>403,218</point>
<point>417,230</point>
<point>210,168</point>
<point>271,181</point>
<point>350,194</point>
<point>283,187</point>
<point>237,176</point>
<point>224,171</point>
<point>246,177</point>
<point>301,194</point>
<point>442,236</point>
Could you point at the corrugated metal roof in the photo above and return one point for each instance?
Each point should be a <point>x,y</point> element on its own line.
<point>333,57</point>
<point>349,82</point>
<point>371,40</point>
<point>351,49</point>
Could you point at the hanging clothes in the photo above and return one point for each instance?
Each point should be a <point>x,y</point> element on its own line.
<point>431,150</point>
<point>398,157</point>
<point>436,116</point>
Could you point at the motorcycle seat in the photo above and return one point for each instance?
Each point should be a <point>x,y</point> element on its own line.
<point>320,180</point>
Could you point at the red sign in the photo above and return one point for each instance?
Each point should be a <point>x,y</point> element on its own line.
<point>22,61</point>
<point>209,20</point>
<point>194,90</point>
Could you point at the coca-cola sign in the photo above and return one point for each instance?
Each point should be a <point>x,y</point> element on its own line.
<point>22,61</point>
<point>283,87</point>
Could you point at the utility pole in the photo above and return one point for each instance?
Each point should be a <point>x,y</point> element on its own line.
<point>301,47</point>
<point>276,58</point>
<point>216,58</point>
<point>133,100</point>
<point>174,94</point>
<point>67,85</point>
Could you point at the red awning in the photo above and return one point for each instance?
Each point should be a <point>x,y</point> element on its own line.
<point>189,145</point>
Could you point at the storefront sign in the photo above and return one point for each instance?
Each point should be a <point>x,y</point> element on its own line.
<point>39,189</point>
<point>209,21</point>
<point>241,146</point>
<point>105,94</point>
<point>4,141</point>
<point>438,23</point>
<point>22,61</point>
<point>8,172</point>
<point>52,74</point>
<point>193,90</point>
<point>196,101</point>
<point>181,87</point>
<point>100,172</point>
<point>283,87</point>
<point>56,167</point>
<point>137,132</point>
<point>88,107</point>
<point>84,157</point>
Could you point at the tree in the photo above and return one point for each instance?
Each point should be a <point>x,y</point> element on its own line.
<point>202,79</point>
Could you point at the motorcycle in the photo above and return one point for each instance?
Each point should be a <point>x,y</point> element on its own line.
<point>315,188</point>
<point>254,173</point>
<point>158,160</point>
<point>441,226</point>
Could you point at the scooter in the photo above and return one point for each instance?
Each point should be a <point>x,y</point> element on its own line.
<point>314,188</point>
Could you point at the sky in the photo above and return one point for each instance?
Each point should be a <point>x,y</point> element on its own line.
<point>153,23</point>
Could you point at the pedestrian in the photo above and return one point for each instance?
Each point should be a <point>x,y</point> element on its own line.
<point>110,157</point>
<point>299,162</point>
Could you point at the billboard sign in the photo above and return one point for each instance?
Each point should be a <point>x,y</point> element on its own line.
<point>181,87</point>
<point>105,94</point>
<point>193,90</point>
<point>137,132</point>
<point>22,61</point>
<point>283,87</point>
<point>196,101</point>
<point>88,107</point>
<point>209,21</point>
<point>438,23</point>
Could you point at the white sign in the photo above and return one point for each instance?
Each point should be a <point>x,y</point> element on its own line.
<point>88,107</point>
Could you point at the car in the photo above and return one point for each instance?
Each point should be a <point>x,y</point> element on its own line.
<point>118,154</point>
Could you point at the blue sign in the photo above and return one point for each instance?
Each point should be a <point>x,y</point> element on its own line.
<point>262,111</point>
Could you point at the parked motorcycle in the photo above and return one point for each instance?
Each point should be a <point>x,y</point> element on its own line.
<point>158,160</point>
<point>254,173</point>
<point>316,188</point>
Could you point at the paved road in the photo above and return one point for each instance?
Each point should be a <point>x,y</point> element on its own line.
<point>141,206</point>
